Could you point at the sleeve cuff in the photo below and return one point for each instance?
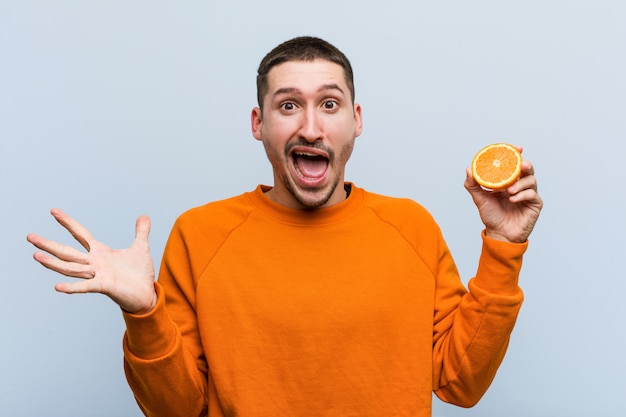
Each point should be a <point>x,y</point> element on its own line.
<point>151,335</point>
<point>499,266</point>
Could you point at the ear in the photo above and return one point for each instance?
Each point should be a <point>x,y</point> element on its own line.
<point>358,119</point>
<point>256,120</point>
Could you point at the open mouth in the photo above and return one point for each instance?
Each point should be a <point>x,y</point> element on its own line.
<point>309,165</point>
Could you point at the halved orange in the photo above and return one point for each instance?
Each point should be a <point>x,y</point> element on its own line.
<point>496,167</point>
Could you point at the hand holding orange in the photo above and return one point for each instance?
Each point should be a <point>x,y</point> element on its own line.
<point>496,167</point>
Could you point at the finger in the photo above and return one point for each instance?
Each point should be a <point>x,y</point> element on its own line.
<point>529,197</point>
<point>527,168</point>
<point>70,269</point>
<point>142,228</point>
<point>65,253</point>
<point>477,192</point>
<point>470,182</point>
<point>80,233</point>
<point>527,182</point>
<point>80,287</point>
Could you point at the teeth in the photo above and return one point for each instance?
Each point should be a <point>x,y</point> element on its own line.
<point>305,155</point>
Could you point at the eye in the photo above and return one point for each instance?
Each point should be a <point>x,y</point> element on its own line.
<point>288,106</point>
<point>330,104</point>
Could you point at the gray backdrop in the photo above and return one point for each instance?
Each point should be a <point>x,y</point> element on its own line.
<point>112,109</point>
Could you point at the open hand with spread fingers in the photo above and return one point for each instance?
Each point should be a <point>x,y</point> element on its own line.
<point>126,276</point>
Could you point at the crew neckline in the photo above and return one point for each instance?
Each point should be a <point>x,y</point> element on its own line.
<point>312,217</point>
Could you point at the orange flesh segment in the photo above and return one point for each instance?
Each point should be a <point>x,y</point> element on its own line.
<point>497,166</point>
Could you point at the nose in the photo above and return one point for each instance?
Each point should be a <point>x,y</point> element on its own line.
<point>311,128</point>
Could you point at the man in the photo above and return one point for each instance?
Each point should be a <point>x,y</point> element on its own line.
<point>313,296</point>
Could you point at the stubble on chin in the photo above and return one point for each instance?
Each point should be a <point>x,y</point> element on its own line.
<point>310,199</point>
<point>316,197</point>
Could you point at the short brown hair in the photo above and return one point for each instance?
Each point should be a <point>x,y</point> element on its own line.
<point>303,48</point>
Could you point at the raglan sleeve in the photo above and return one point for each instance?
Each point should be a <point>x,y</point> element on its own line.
<point>163,356</point>
<point>472,327</point>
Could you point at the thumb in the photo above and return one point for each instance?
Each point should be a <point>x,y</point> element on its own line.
<point>142,228</point>
<point>470,183</point>
<point>475,190</point>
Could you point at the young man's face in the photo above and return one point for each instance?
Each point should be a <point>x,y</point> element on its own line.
<point>308,126</point>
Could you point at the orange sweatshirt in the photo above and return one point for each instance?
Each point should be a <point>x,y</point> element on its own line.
<point>351,310</point>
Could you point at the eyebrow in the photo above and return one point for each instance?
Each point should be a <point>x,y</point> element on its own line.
<point>292,90</point>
